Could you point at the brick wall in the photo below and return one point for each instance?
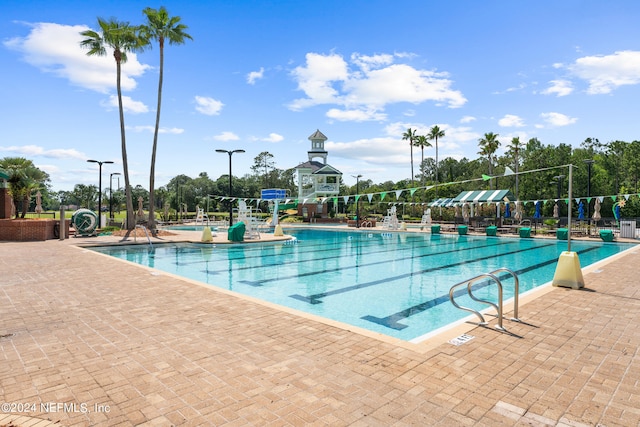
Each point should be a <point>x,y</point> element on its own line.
<point>24,230</point>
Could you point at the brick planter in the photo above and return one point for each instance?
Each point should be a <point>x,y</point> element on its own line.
<point>29,230</point>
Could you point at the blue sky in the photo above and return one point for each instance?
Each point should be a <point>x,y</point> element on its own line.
<point>264,75</point>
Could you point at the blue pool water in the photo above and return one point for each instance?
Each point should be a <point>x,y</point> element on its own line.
<point>393,283</point>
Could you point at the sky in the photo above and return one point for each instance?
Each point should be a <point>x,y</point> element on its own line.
<point>265,75</point>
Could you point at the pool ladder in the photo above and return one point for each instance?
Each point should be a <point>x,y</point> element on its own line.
<point>499,307</point>
<point>146,233</point>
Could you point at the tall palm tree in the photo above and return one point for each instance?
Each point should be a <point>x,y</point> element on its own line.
<point>488,146</point>
<point>122,38</point>
<point>514,152</point>
<point>160,27</point>
<point>434,133</point>
<point>422,142</point>
<point>410,135</point>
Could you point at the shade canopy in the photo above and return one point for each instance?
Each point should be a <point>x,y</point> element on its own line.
<point>485,196</point>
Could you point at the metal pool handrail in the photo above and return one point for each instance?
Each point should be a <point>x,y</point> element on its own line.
<point>498,307</point>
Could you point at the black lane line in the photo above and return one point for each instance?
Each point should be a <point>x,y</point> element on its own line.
<point>393,320</point>
<point>351,267</point>
<point>308,249</point>
<point>385,249</point>
<point>315,299</point>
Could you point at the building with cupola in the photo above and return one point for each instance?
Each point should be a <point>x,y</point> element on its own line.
<point>316,179</point>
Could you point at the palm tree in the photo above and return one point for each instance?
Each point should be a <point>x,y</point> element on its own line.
<point>24,177</point>
<point>410,135</point>
<point>488,146</point>
<point>434,133</point>
<point>122,38</point>
<point>422,141</point>
<point>160,27</point>
<point>514,151</point>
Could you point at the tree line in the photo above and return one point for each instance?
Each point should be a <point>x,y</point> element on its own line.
<point>613,167</point>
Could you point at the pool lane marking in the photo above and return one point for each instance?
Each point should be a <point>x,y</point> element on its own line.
<point>392,321</point>
<point>315,299</point>
<point>342,268</point>
<point>310,249</point>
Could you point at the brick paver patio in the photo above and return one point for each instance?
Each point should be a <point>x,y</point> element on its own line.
<point>87,340</point>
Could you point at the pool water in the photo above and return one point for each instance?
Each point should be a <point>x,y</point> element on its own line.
<point>396,284</point>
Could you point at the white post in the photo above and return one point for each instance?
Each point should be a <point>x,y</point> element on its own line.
<point>569,209</point>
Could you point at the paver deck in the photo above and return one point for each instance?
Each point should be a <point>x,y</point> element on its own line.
<point>87,340</point>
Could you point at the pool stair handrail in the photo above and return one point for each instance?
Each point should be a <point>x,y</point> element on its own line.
<point>498,307</point>
<point>135,235</point>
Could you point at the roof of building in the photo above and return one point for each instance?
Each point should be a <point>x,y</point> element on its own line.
<point>319,168</point>
<point>3,174</point>
<point>318,135</point>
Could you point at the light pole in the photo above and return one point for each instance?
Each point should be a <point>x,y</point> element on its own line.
<point>105,162</point>
<point>230,153</point>
<point>111,194</point>
<point>589,162</point>
<point>559,179</point>
<point>357,177</point>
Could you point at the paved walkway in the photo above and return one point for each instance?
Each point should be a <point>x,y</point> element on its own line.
<point>86,340</point>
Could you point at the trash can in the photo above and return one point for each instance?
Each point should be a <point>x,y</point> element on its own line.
<point>525,231</point>
<point>628,229</point>
<point>463,229</point>
<point>606,235</point>
<point>492,230</point>
<point>562,233</point>
<point>435,229</point>
<point>236,232</point>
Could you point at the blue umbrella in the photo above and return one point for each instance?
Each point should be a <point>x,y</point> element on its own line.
<point>537,214</point>
<point>507,211</point>
<point>581,211</point>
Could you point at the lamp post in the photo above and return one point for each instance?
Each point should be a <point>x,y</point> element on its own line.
<point>357,177</point>
<point>230,153</point>
<point>111,194</point>
<point>105,162</point>
<point>589,162</point>
<point>558,178</point>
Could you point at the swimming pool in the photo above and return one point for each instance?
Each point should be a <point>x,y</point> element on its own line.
<point>396,283</point>
<point>189,227</point>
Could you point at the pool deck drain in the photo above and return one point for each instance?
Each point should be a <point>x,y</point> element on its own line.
<point>111,344</point>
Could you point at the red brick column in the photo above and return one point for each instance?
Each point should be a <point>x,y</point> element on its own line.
<point>5,203</point>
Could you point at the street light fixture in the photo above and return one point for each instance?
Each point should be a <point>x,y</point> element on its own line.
<point>230,153</point>
<point>105,162</point>
<point>111,194</point>
<point>357,177</point>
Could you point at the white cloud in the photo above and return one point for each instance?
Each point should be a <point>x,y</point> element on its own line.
<point>315,79</point>
<point>467,119</point>
<point>510,120</point>
<point>150,129</point>
<point>255,75</point>
<point>559,88</point>
<point>38,151</point>
<point>55,48</point>
<point>128,104</point>
<point>226,136</point>
<point>208,106</point>
<point>355,115</point>
<point>608,72</point>
<point>558,119</point>
<point>376,82</point>
<point>273,137</point>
